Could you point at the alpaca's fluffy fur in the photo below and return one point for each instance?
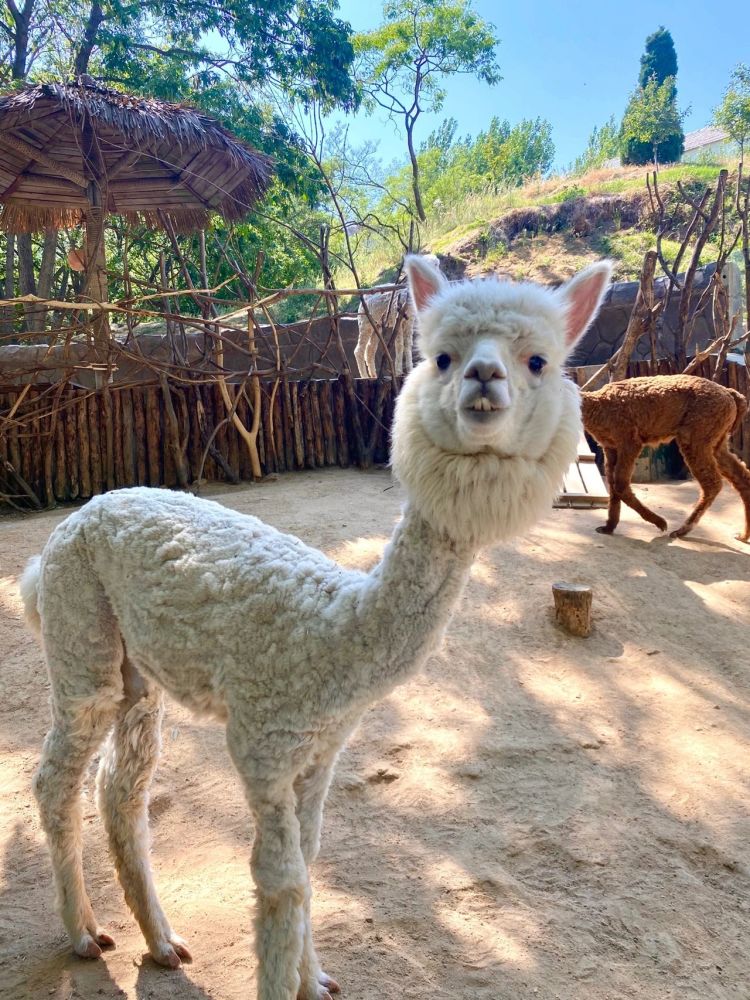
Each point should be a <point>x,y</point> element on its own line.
<point>696,413</point>
<point>145,590</point>
<point>388,311</point>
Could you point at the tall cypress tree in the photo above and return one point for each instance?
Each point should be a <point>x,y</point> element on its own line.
<point>659,58</point>
<point>659,62</point>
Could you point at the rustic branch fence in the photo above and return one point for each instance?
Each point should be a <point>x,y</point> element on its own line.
<point>91,441</point>
<point>68,443</point>
<point>206,398</point>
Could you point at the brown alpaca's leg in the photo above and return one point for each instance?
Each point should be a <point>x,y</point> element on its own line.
<point>702,462</point>
<point>738,475</point>
<point>621,489</point>
<point>613,512</point>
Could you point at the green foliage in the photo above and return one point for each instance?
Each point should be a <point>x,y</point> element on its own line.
<point>236,60</point>
<point>499,158</point>
<point>403,64</point>
<point>629,246</point>
<point>568,193</point>
<point>659,59</point>
<point>733,114</point>
<point>651,128</point>
<point>422,42</point>
<point>653,122</point>
<point>603,145</point>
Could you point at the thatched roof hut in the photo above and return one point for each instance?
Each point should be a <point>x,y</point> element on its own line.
<point>152,161</point>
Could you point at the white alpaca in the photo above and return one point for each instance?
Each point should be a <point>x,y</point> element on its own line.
<point>146,590</point>
<point>389,312</point>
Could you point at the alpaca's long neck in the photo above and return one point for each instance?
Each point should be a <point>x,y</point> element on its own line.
<point>407,600</point>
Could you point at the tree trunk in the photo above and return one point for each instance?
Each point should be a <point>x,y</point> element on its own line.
<point>415,173</point>
<point>35,316</point>
<point>641,317</point>
<point>21,21</point>
<point>96,16</point>
<point>26,279</point>
<point>6,320</point>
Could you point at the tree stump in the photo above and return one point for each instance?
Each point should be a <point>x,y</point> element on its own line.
<point>573,607</point>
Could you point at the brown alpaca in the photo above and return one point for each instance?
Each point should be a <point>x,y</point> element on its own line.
<point>695,412</point>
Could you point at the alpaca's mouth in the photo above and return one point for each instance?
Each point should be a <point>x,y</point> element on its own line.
<point>482,410</point>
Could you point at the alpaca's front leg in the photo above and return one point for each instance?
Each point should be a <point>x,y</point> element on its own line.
<point>281,879</point>
<point>311,788</point>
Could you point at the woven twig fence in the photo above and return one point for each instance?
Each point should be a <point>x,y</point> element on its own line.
<point>65,443</point>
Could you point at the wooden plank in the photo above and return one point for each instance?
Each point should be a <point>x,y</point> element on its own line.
<point>593,483</point>
<point>572,482</point>
<point>585,454</point>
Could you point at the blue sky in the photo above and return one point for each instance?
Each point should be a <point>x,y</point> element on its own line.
<point>575,65</point>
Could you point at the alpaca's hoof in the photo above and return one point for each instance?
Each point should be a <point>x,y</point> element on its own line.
<point>172,953</point>
<point>679,532</point>
<point>661,524</point>
<point>743,538</point>
<point>604,529</point>
<point>89,945</point>
<point>330,984</point>
<point>86,947</point>
<point>320,990</point>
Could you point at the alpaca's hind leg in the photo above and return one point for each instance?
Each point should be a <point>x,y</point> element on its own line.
<point>613,511</point>
<point>701,461</point>
<point>68,748</point>
<point>360,350</point>
<point>371,350</point>
<point>398,349</point>
<point>738,475</point>
<point>311,788</point>
<point>125,773</point>
<point>408,345</point>
<point>622,489</point>
<point>83,650</point>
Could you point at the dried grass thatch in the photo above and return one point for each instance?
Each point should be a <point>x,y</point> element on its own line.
<point>155,163</point>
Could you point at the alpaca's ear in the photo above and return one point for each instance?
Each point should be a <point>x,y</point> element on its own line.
<point>425,280</point>
<point>581,298</point>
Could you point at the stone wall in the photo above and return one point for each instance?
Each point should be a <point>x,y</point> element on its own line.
<point>605,336</point>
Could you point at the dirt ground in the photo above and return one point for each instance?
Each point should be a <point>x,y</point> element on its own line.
<point>536,816</point>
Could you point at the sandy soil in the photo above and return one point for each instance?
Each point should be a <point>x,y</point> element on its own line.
<point>536,816</point>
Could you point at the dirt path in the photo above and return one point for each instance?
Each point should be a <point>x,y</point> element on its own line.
<point>535,817</point>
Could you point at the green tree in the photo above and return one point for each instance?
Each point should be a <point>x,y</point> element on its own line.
<point>234,59</point>
<point>733,114</point>
<point>652,118</point>
<point>603,144</point>
<point>659,59</point>
<point>659,68</point>
<point>404,63</point>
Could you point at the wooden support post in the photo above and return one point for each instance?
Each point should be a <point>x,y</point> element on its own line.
<point>573,607</point>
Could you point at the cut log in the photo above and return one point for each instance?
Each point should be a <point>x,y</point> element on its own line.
<point>573,607</point>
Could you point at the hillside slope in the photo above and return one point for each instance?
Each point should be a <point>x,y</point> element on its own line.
<point>547,231</point>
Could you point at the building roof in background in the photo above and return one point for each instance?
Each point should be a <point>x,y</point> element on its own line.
<point>704,137</point>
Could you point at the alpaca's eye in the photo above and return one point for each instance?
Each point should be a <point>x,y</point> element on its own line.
<point>536,364</point>
<point>443,361</point>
